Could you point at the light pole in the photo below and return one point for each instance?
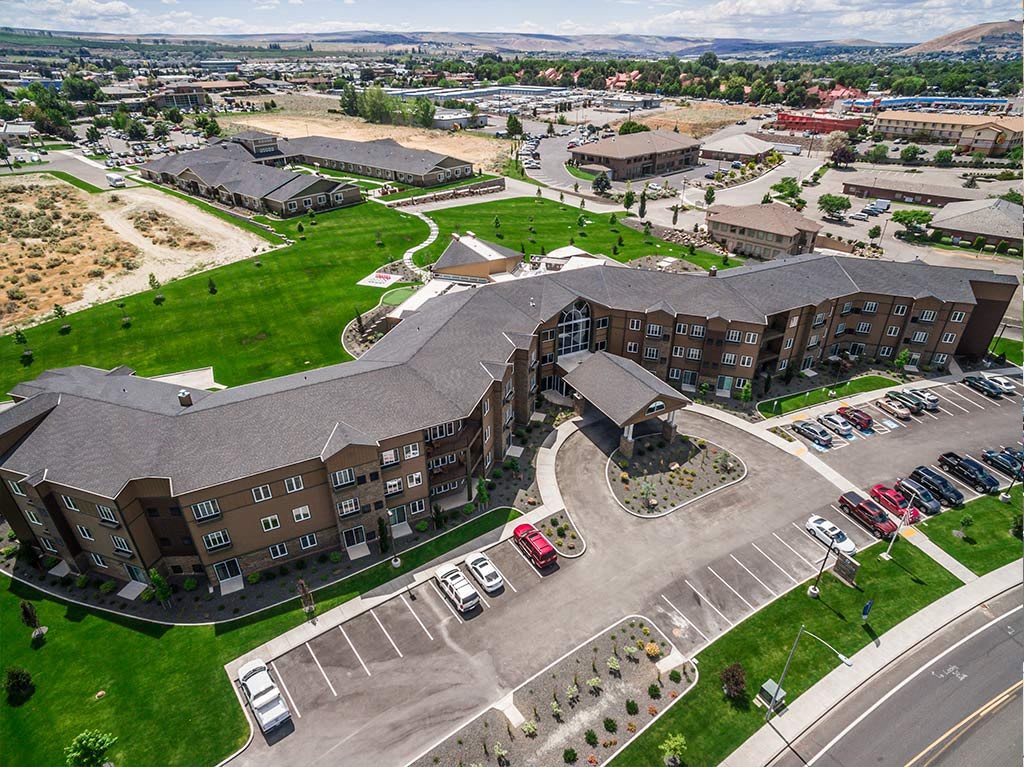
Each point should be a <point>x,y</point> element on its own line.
<point>803,630</point>
<point>886,556</point>
<point>813,591</point>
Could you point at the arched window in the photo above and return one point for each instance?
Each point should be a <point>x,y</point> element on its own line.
<point>574,328</point>
<point>655,407</point>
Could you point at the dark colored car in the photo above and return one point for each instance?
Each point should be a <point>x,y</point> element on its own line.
<point>909,401</point>
<point>1004,462</point>
<point>857,417</point>
<point>983,385</point>
<point>869,514</point>
<point>970,471</point>
<point>920,497</point>
<point>938,484</point>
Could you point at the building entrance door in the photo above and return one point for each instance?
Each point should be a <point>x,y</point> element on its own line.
<point>227,570</point>
<point>136,573</point>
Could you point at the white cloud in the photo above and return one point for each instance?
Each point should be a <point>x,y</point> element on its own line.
<point>169,2</point>
<point>294,2</point>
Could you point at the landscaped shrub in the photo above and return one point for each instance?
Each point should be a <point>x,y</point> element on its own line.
<point>190,584</point>
<point>610,725</point>
<point>422,526</point>
<point>18,685</point>
<point>654,692</point>
<point>569,756</point>
<point>734,681</point>
<point>107,586</point>
<point>254,578</point>
<point>591,737</point>
<point>335,557</point>
<point>632,708</point>
<point>675,676</point>
<point>1002,247</point>
<point>82,581</point>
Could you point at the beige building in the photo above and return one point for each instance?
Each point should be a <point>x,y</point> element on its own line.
<point>762,231</point>
<point>636,155</point>
<point>991,134</point>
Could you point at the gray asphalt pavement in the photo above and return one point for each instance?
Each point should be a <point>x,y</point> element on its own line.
<point>962,709</point>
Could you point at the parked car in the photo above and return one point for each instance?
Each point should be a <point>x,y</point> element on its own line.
<point>892,500</point>
<point>982,385</point>
<point>894,408</point>
<point>909,401</point>
<point>534,545</point>
<point>1016,452</point>
<point>838,424</point>
<point>1004,462</point>
<point>813,432</point>
<point>484,572</point>
<point>859,216</point>
<point>262,695</point>
<point>1005,384</point>
<point>871,211</point>
<point>830,535</point>
<point>970,471</point>
<point>931,402</point>
<point>709,175</point>
<point>856,416</point>
<point>938,484</point>
<point>457,588</point>
<point>920,497</point>
<point>868,513</point>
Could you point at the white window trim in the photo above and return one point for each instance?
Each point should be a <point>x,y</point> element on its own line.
<point>293,484</point>
<point>751,338</point>
<point>98,560</point>
<point>338,476</point>
<point>301,514</point>
<point>125,549</point>
<point>69,503</point>
<point>205,509</point>
<point>746,361</point>
<point>48,544</point>
<point>899,310</point>
<point>697,331</point>
<point>106,513</point>
<point>348,506</point>
<point>32,517</point>
<point>632,347</point>
<point>948,338</point>
<point>636,324</point>
<point>85,533</point>
<point>928,315</point>
<point>307,541</point>
<point>271,523</point>
<point>412,450</point>
<point>16,487</point>
<point>728,358</point>
<point>281,550</point>
<point>693,353</point>
<point>261,494</point>
<point>651,353</point>
<point>389,457</point>
<point>414,480</point>
<point>733,336</point>
<point>957,316</point>
<point>224,537</point>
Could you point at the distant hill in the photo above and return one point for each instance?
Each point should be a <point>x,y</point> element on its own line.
<point>992,39</point>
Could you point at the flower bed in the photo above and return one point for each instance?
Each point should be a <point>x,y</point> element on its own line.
<point>661,477</point>
<point>580,710</point>
<point>561,531</point>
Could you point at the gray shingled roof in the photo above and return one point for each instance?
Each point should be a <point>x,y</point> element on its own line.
<point>382,153</point>
<point>993,218</point>
<point>767,217</point>
<point>633,144</point>
<point>619,387</point>
<point>459,253</point>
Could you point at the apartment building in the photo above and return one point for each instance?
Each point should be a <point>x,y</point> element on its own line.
<point>899,187</point>
<point>224,484</point>
<point>636,155</point>
<point>991,134</point>
<point>762,231</point>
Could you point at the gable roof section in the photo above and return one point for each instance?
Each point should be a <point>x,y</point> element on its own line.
<point>633,144</point>
<point>773,217</point>
<point>620,388</point>
<point>382,153</point>
<point>992,217</point>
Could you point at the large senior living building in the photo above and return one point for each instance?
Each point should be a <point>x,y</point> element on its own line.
<point>116,474</point>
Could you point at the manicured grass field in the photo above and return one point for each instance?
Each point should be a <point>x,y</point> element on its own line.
<point>279,313</point>
<point>397,296</point>
<point>514,169</point>
<point>419,191</point>
<point>1014,350</point>
<point>714,726</point>
<point>986,545</point>
<point>782,405</point>
<point>578,173</point>
<point>167,697</point>
<point>554,225</point>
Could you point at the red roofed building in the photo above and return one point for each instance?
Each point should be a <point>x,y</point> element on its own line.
<point>621,80</point>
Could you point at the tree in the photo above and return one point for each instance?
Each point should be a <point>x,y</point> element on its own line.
<point>767,199</point>
<point>161,129</point>
<point>375,106</point>
<point>483,495</point>
<point>497,223</point>
<point>673,747</point>
<point>28,614</point>
<point>212,128</point>
<point>5,155</point>
<point>874,232</point>
<point>877,153</point>
<point>965,522</point>
<point>734,681</point>
<point>642,210</point>
<point>601,184</point>
<point>911,153</point>
<point>675,215</point>
<point>513,125</point>
<point>632,126</point>
<point>349,100</point>
<point>212,286</point>
<point>423,112</point>
<point>383,534</point>
<point>136,131</point>
<point>551,128</point>
<point>837,144</point>
<point>18,685</point>
<point>59,312</point>
<point>977,159</point>
<point>709,196</point>
<point>92,134</point>
<point>944,157</point>
<point>912,219</point>
<point>833,204</point>
<point>628,198</point>
<point>174,115</point>
<point>787,187</point>
<point>844,155</point>
<point>161,588</point>
<point>89,749</point>
<point>902,360</point>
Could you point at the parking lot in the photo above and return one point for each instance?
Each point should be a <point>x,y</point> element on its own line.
<point>357,685</point>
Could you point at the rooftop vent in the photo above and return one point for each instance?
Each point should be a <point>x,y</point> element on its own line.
<point>184,398</point>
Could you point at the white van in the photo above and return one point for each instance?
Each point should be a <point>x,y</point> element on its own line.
<point>115,180</point>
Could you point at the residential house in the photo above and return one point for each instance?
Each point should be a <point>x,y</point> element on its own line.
<point>762,231</point>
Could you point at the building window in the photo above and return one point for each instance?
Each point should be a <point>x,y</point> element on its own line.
<point>899,310</point>
<point>870,307</point>
<point>301,514</point>
<point>393,486</point>
<point>635,324</point>
<point>547,359</point>
<point>69,503</point>
<point>689,379</point>
<point>601,323</point>
<point>697,331</point>
<point>940,359</point>
<point>414,480</point>
<point>693,354</point>
<point>348,506</point>
<point>30,514</point>
<point>307,541</point>
<point>746,361</point>
<point>574,329</point>
<point>919,337</point>
<point>632,347</point>
<point>678,351</point>
<point>948,338</point>
<point>893,330</point>
<point>443,430</point>
<point>205,510</point>
<point>278,550</point>
<point>795,320</point>
<point>343,477</point>
<point>413,450</point>
<point>681,328</point>
<point>97,559</point>
<point>85,533</point>
<point>48,544</point>
<point>728,358</point>
<point>674,374</point>
<point>863,328</point>
<point>106,513</point>
<point>547,335</point>
<point>783,364</point>
<point>927,316</point>
<point>653,330</point>
<point>218,539</point>
<point>120,544</point>
<point>813,341</point>
<point>819,320</point>
<point>261,493</point>
<point>16,488</point>
<point>389,458</point>
<point>733,336</point>
<point>418,506</point>
<point>885,352</point>
<point>788,344</point>
<point>488,459</point>
<point>847,308</point>
<point>650,352</point>
<point>957,317</point>
<point>293,484</point>
<point>750,338</point>
<point>840,328</point>
<point>270,523</point>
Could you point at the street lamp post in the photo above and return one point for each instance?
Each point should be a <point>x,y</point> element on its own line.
<point>803,630</point>
<point>813,591</point>
<point>886,555</point>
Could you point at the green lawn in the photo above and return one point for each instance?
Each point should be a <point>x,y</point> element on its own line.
<point>281,316</point>
<point>714,727</point>
<point>578,173</point>
<point>1013,350</point>
<point>418,191</point>
<point>782,405</point>
<point>988,544</point>
<point>554,224</point>
<point>167,698</point>
<point>363,182</point>
<point>397,296</point>
<point>514,169</point>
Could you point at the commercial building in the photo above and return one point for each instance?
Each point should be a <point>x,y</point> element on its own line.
<point>816,122</point>
<point>227,483</point>
<point>458,119</point>
<point>625,102</point>
<point>902,188</point>
<point>993,219</point>
<point>636,155</point>
<point>993,135</point>
<point>741,147</point>
<point>16,133</point>
<point>185,97</point>
<point>762,231</point>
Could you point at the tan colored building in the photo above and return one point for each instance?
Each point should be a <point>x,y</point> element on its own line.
<point>762,231</point>
<point>636,155</point>
<point>225,484</point>
<point>899,187</point>
<point>993,219</point>
<point>994,135</point>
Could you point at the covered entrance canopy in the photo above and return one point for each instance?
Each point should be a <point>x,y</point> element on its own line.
<point>623,391</point>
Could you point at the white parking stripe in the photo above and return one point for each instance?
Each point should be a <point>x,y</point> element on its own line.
<point>794,551</point>
<point>946,411</point>
<point>780,569</point>
<point>691,623</point>
<point>445,600</point>
<point>414,615</point>
<point>505,579</point>
<point>354,650</point>
<point>951,402</point>
<point>962,396</point>
<point>734,591</point>
<point>317,662</point>
<point>280,681</point>
<point>763,584</point>
<point>707,601</point>
<point>525,559</point>
<point>483,601</point>
<point>374,616</point>
<point>930,414</point>
<point>958,481</point>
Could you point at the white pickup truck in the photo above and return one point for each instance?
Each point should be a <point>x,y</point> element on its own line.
<point>263,696</point>
<point>115,180</point>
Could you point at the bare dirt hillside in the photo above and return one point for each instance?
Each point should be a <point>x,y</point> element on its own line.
<point>699,118</point>
<point>989,39</point>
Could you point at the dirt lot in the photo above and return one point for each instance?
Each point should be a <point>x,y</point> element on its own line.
<point>307,115</point>
<point>60,245</point>
<point>699,118</point>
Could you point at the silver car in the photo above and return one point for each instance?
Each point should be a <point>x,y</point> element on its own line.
<point>836,423</point>
<point>813,432</point>
<point>931,402</point>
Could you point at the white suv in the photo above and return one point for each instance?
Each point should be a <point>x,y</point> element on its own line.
<point>457,588</point>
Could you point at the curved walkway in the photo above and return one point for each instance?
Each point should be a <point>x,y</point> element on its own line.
<point>407,257</point>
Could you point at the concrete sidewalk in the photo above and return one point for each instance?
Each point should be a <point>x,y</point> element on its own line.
<point>765,745</point>
<point>918,538</point>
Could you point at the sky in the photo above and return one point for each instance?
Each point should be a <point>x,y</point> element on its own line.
<point>881,20</point>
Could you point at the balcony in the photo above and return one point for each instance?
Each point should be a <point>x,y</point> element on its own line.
<point>460,439</point>
<point>773,333</point>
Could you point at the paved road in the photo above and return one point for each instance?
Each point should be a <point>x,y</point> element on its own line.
<point>68,162</point>
<point>962,709</point>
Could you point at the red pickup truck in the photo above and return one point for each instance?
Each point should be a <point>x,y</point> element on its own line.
<point>869,514</point>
